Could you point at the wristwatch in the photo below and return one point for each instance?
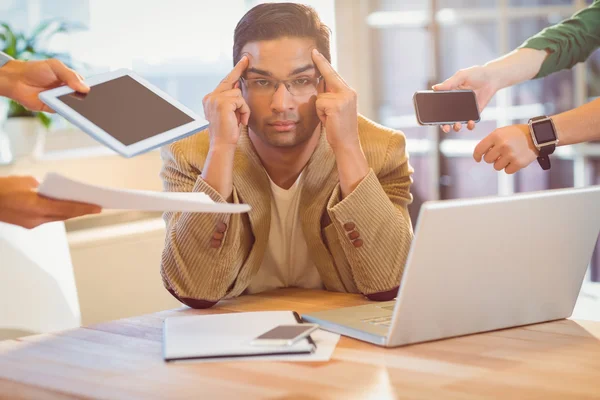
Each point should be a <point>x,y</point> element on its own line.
<point>543,134</point>
<point>4,58</point>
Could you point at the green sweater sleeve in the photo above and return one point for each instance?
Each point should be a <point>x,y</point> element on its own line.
<point>568,42</point>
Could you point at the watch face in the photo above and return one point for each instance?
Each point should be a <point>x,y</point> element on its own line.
<point>544,132</point>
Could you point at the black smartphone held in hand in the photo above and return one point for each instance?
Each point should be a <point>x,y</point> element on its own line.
<point>434,107</point>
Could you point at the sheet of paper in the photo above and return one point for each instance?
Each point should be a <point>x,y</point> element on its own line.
<point>60,187</point>
<point>326,343</point>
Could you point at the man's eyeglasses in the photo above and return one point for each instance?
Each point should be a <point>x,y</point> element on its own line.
<point>267,87</point>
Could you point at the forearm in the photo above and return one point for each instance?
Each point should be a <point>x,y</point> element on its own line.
<point>373,224</point>
<point>569,42</point>
<point>218,169</point>
<point>581,124</point>
<point>515,67</point>
<point>352,167</point>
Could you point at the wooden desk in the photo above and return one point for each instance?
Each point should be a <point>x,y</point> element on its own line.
<point>122,359</point>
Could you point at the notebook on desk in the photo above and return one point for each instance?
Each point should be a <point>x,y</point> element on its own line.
<point>227,335</point>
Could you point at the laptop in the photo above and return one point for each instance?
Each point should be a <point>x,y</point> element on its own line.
<point>478,265</point>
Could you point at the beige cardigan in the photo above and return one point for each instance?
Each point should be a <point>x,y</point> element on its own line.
<point>200,275</point>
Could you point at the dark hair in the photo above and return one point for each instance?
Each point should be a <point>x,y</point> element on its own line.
<point>276,20</point>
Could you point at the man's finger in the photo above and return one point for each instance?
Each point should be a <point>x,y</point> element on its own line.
<point>232,93</point>
<point>471,125</point>
<point>511,168</point>
<point>492,155</point>
<point>332,78</point>
<point>68,76</point>
<point>483,147</point>
<point>501,163</point>
<point>457,126</point>
<point>233,77</point>
<point>242,110</point>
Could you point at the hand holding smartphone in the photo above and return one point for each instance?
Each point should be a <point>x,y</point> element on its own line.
<point>445,107</point>
<point>284,335</point>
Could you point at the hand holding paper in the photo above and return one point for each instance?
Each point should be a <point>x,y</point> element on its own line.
<point>21,205</point>
<point>59,187</point>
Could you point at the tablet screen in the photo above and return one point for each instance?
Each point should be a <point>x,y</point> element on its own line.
<point>126,110</point>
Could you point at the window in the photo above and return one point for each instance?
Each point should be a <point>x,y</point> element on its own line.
<point>418,43</point>
<point>182,46</point>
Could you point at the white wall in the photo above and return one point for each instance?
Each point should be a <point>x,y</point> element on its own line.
<point>117,271</point>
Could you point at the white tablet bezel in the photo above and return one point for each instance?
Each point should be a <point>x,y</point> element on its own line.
<point>50,97</point>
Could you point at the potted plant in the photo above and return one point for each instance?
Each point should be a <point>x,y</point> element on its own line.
<point>23,126</point>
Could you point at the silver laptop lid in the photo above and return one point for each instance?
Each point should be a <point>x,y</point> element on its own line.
<point>482,264</point>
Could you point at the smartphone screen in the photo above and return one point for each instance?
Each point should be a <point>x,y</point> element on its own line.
<point>285,332</point>
<point>445,107</point>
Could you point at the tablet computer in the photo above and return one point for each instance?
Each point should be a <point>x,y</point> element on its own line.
<point>125,112</point>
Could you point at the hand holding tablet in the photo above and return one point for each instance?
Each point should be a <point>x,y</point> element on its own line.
<point>125,112</point>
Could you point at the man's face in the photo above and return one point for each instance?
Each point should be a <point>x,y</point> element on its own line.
<point>278,117</point>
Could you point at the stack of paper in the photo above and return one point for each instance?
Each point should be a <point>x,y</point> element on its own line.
<point>59,187</point>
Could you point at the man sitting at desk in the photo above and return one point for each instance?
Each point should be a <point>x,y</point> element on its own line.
<point>329,189</point>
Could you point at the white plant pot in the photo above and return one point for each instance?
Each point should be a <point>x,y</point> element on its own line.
<point>24,134</point>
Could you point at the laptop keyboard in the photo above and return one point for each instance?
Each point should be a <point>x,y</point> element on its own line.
<point>383,321</point>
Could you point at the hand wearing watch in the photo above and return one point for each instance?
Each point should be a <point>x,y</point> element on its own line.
<point>545,139</point>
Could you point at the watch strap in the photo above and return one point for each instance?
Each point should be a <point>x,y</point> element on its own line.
<point>544,156</point>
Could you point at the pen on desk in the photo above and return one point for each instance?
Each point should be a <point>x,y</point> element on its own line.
<point>300,321</point>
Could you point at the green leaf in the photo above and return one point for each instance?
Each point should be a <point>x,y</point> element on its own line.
<point>17,110</point>
<point>10,43</point>
<point>6,27</point>
<point>17,45</point>
<point>44,119</point>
